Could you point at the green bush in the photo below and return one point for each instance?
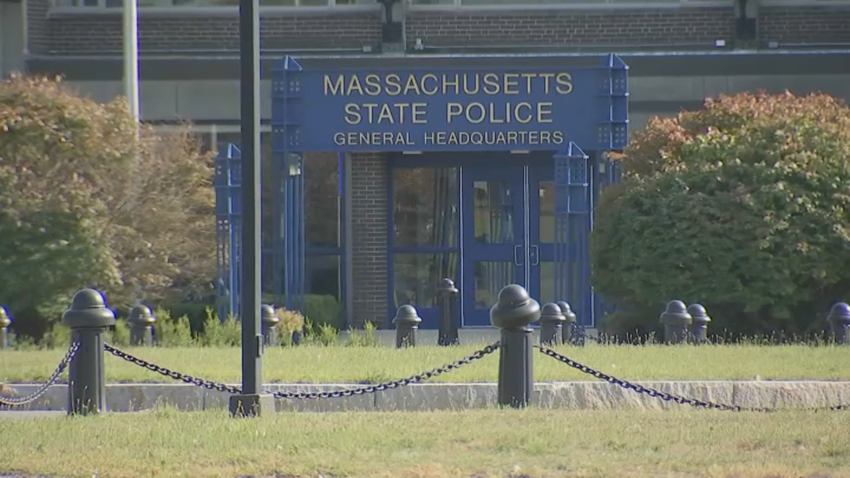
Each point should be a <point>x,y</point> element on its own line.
<point>217,333</point>
<point>290,322</point>
<point>120,334</point>
<point>320,334</point>
<point>744,207</point>
<point>170,332</point>
<point>366,338</point>
<point>59,336</point>
<point>195,312</point>
<point>324,309</point>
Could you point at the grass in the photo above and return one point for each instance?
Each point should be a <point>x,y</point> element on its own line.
<point>316,364</point>
<point>480,443</point>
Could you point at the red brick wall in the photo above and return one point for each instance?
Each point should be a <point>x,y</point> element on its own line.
<point>572,27</point>
<point>92,34</point>
<point>101,33</point>
<point>805,24</point>
<point>369,223</point>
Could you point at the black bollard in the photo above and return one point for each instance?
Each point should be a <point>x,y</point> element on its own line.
<point>551,325</point>
<point>141,326</point>
<point>5,322</point>
<point>676,320</point>
<point>449,317</point>
<point>839,319</point>
<point>270,323</point>
<point>569,321</point>
<point>88,319</point>
<point>514,312</point>
<point>406,324</point>
<point>699,323</point>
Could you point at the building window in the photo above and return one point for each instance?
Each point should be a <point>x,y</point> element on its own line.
<point>550,3</point>
<point>424,233</point>
<point>210,3</point>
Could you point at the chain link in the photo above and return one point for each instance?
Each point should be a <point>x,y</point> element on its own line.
<point>17,402</point>
<point>394,384</point>
<point>669,397</point>
<point>308,395</point>
<point>172,374</point>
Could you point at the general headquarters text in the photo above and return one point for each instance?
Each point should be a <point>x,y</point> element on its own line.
<point>478,113</point>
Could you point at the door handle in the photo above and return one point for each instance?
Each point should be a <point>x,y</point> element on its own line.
<point>517,257</point>
<point>534,255</point>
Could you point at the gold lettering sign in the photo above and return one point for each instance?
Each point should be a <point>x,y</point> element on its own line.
<point>478,99</point>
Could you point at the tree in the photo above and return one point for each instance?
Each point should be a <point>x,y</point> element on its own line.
<point>743,206</point>
<point>89,201</point>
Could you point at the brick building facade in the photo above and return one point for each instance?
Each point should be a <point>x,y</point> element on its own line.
<point>74,31</point>
<point>679,52</point>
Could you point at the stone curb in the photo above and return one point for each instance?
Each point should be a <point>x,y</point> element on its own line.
<point>464,396</point>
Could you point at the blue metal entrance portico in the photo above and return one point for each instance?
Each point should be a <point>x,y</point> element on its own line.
<point>523,218</point>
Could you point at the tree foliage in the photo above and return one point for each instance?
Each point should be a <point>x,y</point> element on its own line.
<point>743,206</point>
<point>87,199</point>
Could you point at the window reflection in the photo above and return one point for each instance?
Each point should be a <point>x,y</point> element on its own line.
<point>547,211</point>
<point>417,277</point>
<point>494,212</point>
<point>425,207</point>
<point>490,279</point>
<point>322,199</point>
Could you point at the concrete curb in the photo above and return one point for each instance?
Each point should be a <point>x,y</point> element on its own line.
<point>464,396</point>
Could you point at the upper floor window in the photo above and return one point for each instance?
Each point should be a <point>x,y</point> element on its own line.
<point>210,3</point>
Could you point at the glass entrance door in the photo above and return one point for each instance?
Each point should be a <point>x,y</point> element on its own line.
<point>509,236</point>
<point>494,237</point>
<point>541,234</point>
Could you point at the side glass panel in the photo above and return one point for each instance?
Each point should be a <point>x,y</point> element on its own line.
<point>547,212</point>
<point>417,276</point>
<point>322,200</point>
<point>547,283</point>
<point>425,209</point>
<point>493,209</point>
<point>490,278</point>
<point>425,228</point>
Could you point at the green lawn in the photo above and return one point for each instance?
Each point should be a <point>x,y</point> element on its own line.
<point>315,364</point>
<point>480,443</point>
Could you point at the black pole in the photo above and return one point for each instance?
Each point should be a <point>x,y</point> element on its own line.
<point>249,59</point>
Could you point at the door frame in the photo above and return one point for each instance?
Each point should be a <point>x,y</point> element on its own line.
<point>494,252</point>
<point>463,162</point>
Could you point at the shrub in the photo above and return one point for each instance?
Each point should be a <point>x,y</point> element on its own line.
<point>120,334</point>
<point>218,333</point>
<point>59,336</point>
<point>324,309</point>
<point>744,206</point>
<point>290,323</point>
<point>366,338</point>
<point>320,334</point>
<point>170,332</point>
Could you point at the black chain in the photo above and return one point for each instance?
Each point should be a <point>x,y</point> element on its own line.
<point>394,384</point>
<point>17,402</point>
<point>311,395</point>
<point>171,374</point>
<point>669,397</point>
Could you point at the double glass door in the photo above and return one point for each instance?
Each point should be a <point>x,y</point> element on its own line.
<point>508,236</point>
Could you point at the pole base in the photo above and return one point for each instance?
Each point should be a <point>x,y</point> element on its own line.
<point>252,405</point>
